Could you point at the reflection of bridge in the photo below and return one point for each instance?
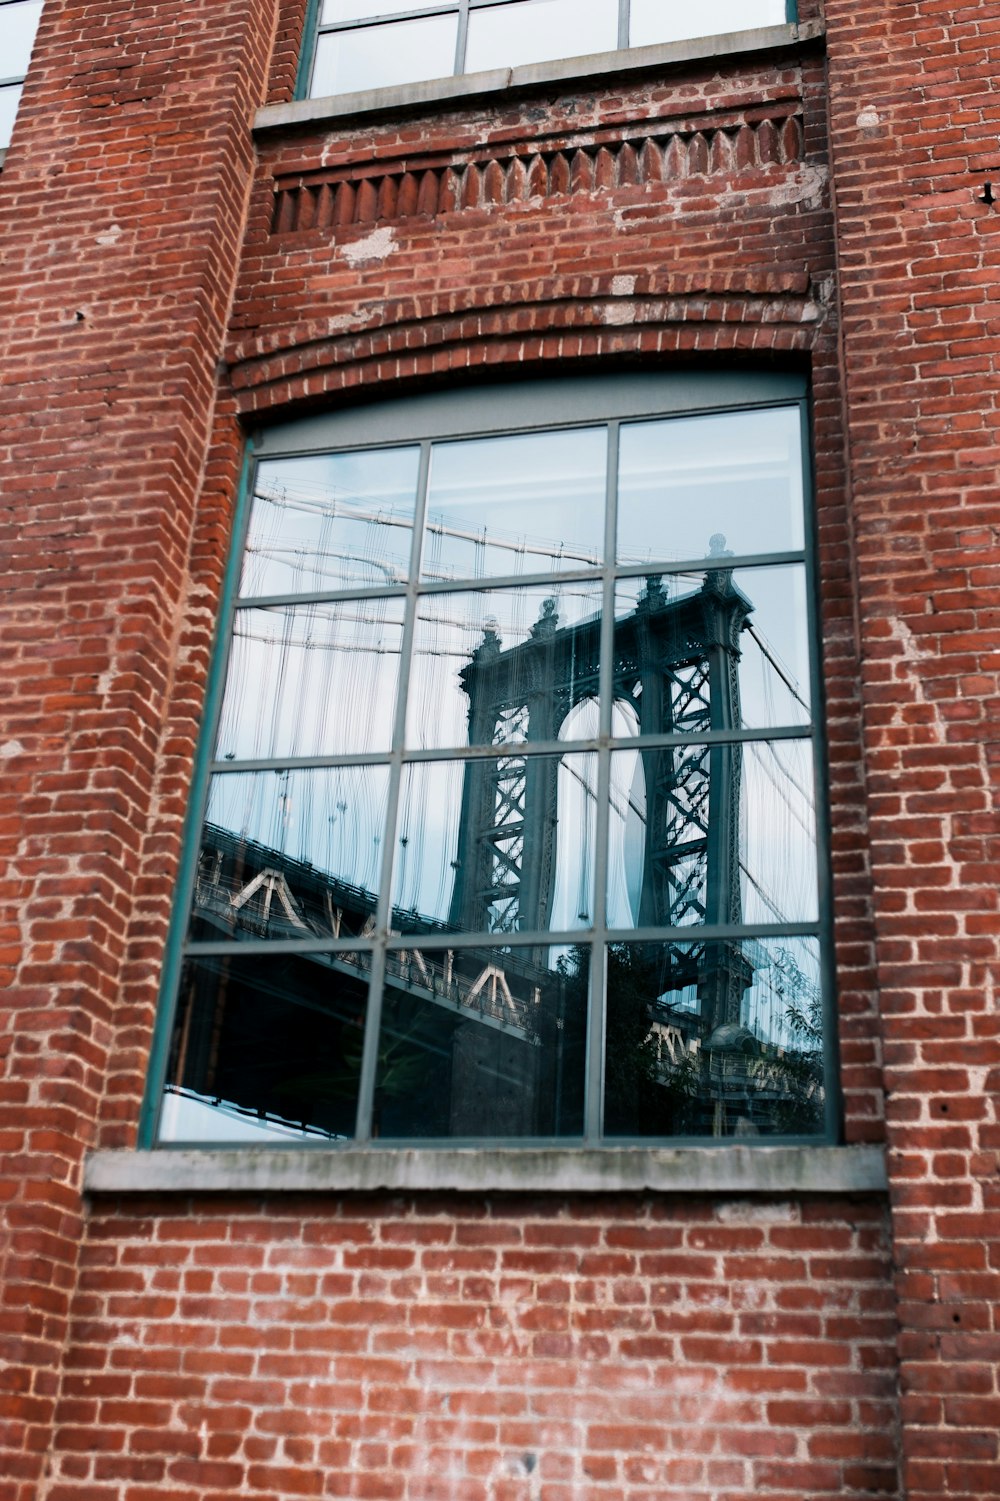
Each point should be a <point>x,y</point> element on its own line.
<point>486,1039</point>
<point>281,1039</point>
<point>247,890</point>
<point>675,671</point>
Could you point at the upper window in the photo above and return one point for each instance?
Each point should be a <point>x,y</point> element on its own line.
<point>510,823</point>
<point>18,24</point>
<point>368,44</point>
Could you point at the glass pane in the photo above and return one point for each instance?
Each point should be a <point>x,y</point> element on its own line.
<point>375,57</point>
<point>10,98</point>
<point>336,521</point>
<point>778,833</point>
<point>482,1043</point>
<point>362,10</point>
<point>265,1048</point>
<point>673,20</point>
<point>723,835</point>
<point>291,854</point>
<point>714,1039</point>
<point>18,24</point>
<point>693,487</point>
<point>718,650</point>
<point>495,667</point>
<point>527,504</point>
<point>536,30</point>
<point>658,857</point>
<point>496,846</point>
<point>311,680</point>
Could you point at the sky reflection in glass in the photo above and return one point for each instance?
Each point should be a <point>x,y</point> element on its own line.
<point>735,477</point>
<point>360,10</point>
<point>653,21</point>
<point>376,57</point>
<point>533,503</point>
<point>535,31</point>
<point>332,521</point>
<point>18,25</point>
<point>312,680</point>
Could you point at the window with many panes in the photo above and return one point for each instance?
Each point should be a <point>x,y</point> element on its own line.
<point>509,828</point>
<point>18,24</point>
<point>367,44</point>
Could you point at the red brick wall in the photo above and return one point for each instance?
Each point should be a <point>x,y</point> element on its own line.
<point>461,1348</point>
<point>915,117</point>
<point>122,200</point>
<point>455,1349</point>
<point>499,1350</point>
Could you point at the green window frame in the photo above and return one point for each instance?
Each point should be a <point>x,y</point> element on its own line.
<point>354,45</point>
<point>663,761</point>
<point>18,25</point>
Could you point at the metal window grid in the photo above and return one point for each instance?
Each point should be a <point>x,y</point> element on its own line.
<point>316,28</point>
<point>599,935</point>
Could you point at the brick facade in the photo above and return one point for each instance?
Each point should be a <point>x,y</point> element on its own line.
<point>173,279</point>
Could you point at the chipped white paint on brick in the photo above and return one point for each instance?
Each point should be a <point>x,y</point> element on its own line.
<point>750,1212</point>
<point>11,748</point>
<point>111,236</point>
<point>623,286</point>
<point>807,185</point>
<point>377,246</point>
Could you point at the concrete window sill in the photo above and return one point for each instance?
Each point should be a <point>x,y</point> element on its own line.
<point>567,1170</point>
<point>334,110</point>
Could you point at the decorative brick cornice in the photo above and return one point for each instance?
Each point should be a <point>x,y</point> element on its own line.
<point>733,144</point>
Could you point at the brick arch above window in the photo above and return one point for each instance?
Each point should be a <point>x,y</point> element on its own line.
<point>551,320</point>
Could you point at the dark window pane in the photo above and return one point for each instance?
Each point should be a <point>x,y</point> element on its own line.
<point>714,1039</point>
<point>496,846</point>
<point>533,503</point>
<point>694,487</point>
<point>311,680</point>
<point>291,854</point>
<point>499,666</point>
<point>376,57</point>
<point>714,651</point>
<point>334,521</point>
<point>266,1047</point>
<point>536,30</point>
<point>654,21</point>
<point>482,1043</point>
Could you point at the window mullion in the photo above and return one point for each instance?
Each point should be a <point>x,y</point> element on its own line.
<point>623,22</point>
<point>594,1103</point>
<point>824,891</point>
<point>462,39</point>
<point>383,916</point>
